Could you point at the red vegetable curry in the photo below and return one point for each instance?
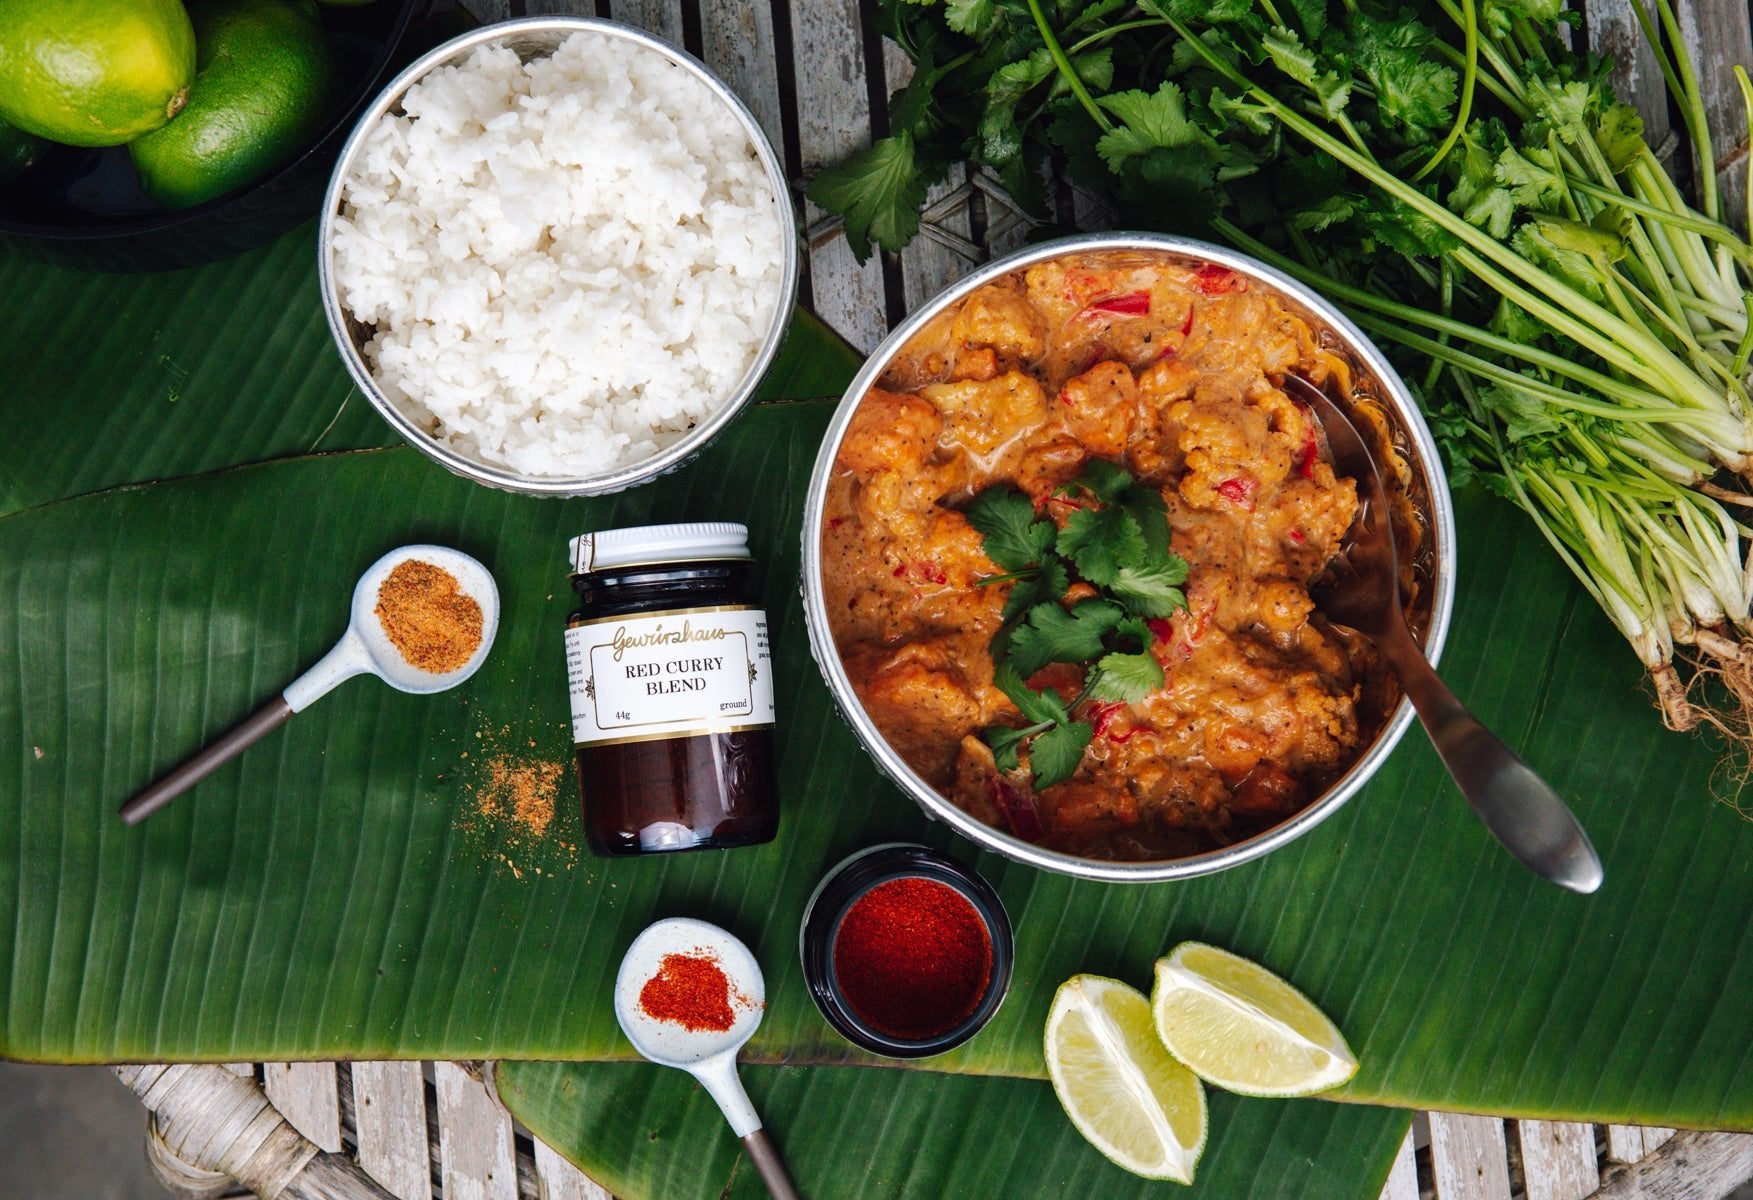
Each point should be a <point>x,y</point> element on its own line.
<point>1167,371</point>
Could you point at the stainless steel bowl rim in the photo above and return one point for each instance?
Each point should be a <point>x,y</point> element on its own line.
<point>938,806</point>
<point>628,475</point>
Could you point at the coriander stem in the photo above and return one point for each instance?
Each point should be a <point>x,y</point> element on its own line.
<point>1102,35</point>
<point>1469,76</point>
<point>1066,70</point>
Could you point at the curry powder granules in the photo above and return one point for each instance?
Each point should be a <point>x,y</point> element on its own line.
<point>427,617</point>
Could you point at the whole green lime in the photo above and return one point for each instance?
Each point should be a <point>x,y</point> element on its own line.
<point>265,82</point>
<point>18,150</point>
<point>93,72</point>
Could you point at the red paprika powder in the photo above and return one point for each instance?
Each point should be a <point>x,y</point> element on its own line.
<point>690,990</point>
<point>913,958</point>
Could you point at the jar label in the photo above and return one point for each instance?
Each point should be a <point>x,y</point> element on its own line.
<point>677,673</point>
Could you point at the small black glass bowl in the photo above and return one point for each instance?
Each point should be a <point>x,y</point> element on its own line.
<point>85,208</point>
<point>843,886</point>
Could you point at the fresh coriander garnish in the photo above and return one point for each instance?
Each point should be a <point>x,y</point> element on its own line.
<point>1117,541</point>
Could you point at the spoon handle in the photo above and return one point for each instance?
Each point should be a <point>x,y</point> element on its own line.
<point>771,1166</point>
<point>205,761</point>
<point>1519,808</point>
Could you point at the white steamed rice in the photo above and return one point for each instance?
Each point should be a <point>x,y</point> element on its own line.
<point>569,263</point>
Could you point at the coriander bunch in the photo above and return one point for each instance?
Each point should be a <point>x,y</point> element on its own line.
<point>1115,540</point>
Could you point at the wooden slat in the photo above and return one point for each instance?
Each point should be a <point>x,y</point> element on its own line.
<point>1613,31</point>
<point>1007,227</point>
<point>1654,1137</point>
<point>477,1157</point>
<point>1719,34</point>
<point>662,17</point>
<point>389,1107</point>
<point>1469,1157</point>
<point>308,1096</point>
<point>488,11</point>
<point>1558,1159</point>
<point>1624,1143</point>
<point>242,1070</point>
<point>1689,1166</point>
<point>1403,1178</point>
<point>833,120</point>
<point>558,1179</point>
<point>738,45</point>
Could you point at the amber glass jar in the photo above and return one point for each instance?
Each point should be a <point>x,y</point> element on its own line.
<point>671,674</point>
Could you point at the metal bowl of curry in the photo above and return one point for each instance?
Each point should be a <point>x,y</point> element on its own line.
<point>974,522</point>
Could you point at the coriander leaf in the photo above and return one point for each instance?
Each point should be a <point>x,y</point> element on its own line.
<point>1101,541</point>
<point>1035,706</point>
<point>1619,134</point>
<point>1005,743</point>
<point>1598,241</point>
<point>1047,586</point>
<point>1095,68</point>
<point>1313,218</point>
<point>1145,505</point>
<point>1152,591</point>
<point>1411,91</point>
<point>1313,15</point>
<point>1101,479</point>
<point>1288,54</point>
<point>1051,633</point>
<point>1398,225</point>
<point>1532,177</point>
<point>1149,121</point>
<point>1566,106</point>
<point>1126,677</point>
<point>1216,12</point>
<point>1135,630</point>
<point>878,190</point>
<point>976,18</point>
<point>1253,115</point>
<point>1055,754</point>
<point>1524,417</point>
<point>1015,539</point>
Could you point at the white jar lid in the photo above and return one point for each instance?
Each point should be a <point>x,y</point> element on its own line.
<point>645,545</point>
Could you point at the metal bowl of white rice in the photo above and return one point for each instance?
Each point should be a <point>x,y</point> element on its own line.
<point>558,255</point>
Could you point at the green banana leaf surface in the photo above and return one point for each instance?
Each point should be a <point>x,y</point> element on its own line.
<point>353,887</point>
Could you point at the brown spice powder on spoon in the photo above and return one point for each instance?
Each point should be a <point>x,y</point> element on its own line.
<point>427,617</point>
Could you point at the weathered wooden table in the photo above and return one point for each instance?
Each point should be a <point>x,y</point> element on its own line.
<point>814,74</point>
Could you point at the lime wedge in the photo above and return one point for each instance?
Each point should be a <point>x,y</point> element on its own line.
<point>1237,1025</point>
<point>1134,1103</point>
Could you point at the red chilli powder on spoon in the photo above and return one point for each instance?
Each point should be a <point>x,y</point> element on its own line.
<point>913,958</point>
<point>689,990</point>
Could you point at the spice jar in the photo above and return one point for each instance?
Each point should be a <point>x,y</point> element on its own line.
<point>907,953</point>
<point>671,675</point>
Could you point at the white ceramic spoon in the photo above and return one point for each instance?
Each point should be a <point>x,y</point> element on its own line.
<point>365,647</point>
<point>708,1055</point>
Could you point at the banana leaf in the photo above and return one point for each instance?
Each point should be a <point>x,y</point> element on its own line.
<point>646,1131</point>
<point>112,379</point>
<point>348,889</point>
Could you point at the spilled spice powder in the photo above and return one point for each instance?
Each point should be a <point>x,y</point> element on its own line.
<point>428,617</point>
<point>689,990</point>
<point>523,791</point>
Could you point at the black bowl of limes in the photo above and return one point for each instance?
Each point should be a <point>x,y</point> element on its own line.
<point>143,135</point>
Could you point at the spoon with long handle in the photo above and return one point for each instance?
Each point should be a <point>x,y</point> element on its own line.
<point>1516,805</point>
<point>365,647</point>
<point>709,1055</point>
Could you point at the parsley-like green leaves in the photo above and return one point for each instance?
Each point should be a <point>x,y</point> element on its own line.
<point>1016,539</point>
<point>1117,539</point>
<point>1052,634</point>
<point>879,190</point>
